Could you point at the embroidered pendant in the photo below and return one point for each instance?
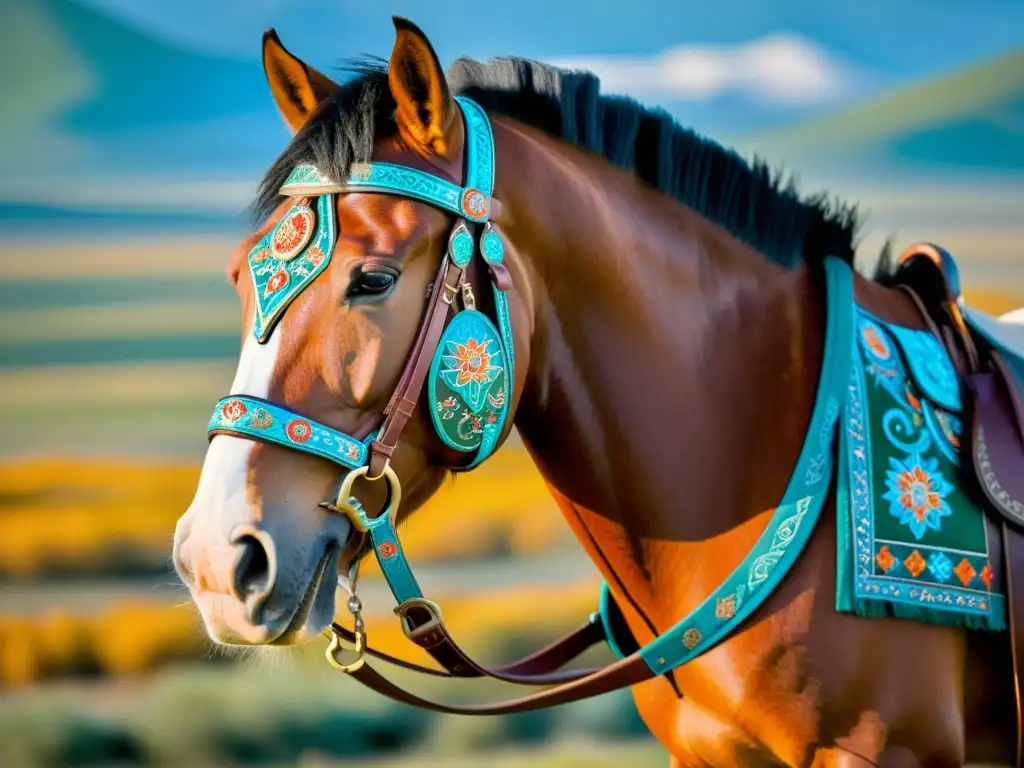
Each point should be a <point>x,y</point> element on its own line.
<point>293,232</point>
<point>288,259</point>
<point>468,377</point>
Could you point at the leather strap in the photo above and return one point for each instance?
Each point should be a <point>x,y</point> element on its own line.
<point>407,393</point>
<point>621,674</point>
<point>531,670</point>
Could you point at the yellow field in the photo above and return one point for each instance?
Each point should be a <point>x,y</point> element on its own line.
<point>133,638</point>
<point>81,516</point>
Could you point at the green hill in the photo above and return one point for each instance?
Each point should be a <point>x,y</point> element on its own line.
<point>970,121</point>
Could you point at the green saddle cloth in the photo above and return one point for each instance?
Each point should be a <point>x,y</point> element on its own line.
<point>911,544</point>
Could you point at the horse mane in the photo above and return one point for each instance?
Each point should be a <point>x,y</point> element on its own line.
<point>760,206</point>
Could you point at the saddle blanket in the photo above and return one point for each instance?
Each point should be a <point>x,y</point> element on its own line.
<point>911,543</point>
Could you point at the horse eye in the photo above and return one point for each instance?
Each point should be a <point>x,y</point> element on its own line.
<point>371,285</point>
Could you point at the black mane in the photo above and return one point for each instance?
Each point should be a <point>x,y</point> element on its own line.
<point>753,202</point>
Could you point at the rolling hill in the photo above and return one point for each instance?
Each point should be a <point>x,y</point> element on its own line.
<point>969,122</point>
<point>94,95</point>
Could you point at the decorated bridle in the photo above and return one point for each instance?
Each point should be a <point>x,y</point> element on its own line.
<point>466,362</point>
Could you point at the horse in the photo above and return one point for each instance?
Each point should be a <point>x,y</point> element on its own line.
<point>662,329</point>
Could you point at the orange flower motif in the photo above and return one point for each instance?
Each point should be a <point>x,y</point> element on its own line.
<point>233,410</point>
<point>917,493</point>
<point>474,362</point>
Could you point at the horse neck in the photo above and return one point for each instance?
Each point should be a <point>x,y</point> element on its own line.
<point>672,370</point>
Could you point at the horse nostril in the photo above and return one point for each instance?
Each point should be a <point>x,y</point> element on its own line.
<point>253,578</point>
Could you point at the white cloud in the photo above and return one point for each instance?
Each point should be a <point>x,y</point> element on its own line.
<point>782,67</point>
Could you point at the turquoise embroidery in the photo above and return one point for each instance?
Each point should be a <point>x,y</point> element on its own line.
<point>258,419</point>
<point>288,258</point>
<point>941,566</point>
<point>911,544</point>
<point>930,366</point>
<point>917,493</point>
<point>467,382</point>
<point>471,202</point>
<point>472,413</point>
<point>792,522</point>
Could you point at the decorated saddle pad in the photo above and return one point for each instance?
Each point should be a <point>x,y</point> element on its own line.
<point>911,544</point>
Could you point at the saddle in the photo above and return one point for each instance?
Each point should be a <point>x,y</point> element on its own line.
<point>991,367</point>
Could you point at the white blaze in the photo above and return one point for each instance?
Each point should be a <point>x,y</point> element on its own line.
<point>226,466</point>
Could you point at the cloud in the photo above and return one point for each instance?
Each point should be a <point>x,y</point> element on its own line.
<point>783,68</point>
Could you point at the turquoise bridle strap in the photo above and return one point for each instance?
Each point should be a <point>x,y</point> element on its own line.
<point>258,419</point>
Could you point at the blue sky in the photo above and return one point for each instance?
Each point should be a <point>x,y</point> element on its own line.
<point>893,39</point>
<point>109,105</point>
<point>847,51</point>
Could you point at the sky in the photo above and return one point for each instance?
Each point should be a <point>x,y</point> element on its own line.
<point>794,53</point>
<point>726,68</point>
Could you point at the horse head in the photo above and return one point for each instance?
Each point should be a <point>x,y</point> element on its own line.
<point>346,288</point>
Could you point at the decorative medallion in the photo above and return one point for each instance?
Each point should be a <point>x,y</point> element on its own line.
<point>261,418</point>
<point>475,204</point>
<point>233,410</point>
<point>691,637</point>
<point>491,246</point>
<point>386,550</point>
<point>467,380</point>
<point>298,430</point>
<point>293,233</point>
<point>288,258</point>
<point>725,607</point>
<point>460,245</point>
<point>277,281</point>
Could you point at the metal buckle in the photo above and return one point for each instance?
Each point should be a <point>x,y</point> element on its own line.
<point>335,648</point>
<point>347,504</point>
<point>419,602</point>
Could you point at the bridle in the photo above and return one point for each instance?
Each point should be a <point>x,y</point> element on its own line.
<point>466,363</point>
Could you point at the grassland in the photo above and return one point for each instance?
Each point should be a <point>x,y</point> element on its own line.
<point>112,355</point>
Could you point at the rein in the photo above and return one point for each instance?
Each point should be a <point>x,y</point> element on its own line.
<point>466,364</point>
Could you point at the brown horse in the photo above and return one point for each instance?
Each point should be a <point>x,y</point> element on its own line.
<point>668,317</point>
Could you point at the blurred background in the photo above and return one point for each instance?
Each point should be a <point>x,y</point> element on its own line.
<point>132,134</point>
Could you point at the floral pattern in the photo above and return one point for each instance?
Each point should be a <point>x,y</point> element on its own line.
<point>469,366</point>
<point>917,493</point>
<point>261,418</point>
<point>293,233</point>
<point>298,430</point>
<point>233,410</point>
<point>915,564</point>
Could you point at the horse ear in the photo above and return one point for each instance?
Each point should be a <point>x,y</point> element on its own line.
<point>425,107</point>
<point>296,87</point>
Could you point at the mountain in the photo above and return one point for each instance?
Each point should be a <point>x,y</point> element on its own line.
<point>92,95</point>
<point>969,122</point>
